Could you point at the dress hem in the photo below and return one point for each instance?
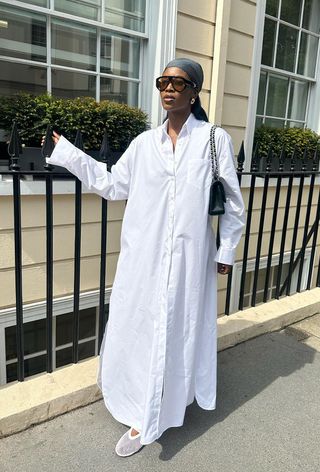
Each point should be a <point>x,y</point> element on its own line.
<point>139,427</point>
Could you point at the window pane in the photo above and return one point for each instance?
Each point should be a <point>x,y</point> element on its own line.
<point>40,3</point>
<point>295,124</point>
<point>34,338</point>
<point>262,93</point>
<point>23,34</point>
<point>284,274</point>
<point>120,55</point>
<point>246,300</point>
<point>64,329</point>
<point>73,45</point>
<point>272,7</point>
<point>35,365</point>
<point>11,343</point>
<point>259,297</point>
<point>261,279</point>
<point>87,350</point>
<point>274,123</point>
<point>277,96</point>
<point>311,16</point>
<point>64,357</point>
<point>247,283</point>
<point>126,14</point>
<point>32,366</point>
<point>290,11</point>
<point>287,48</point>
<point>64,326</point>
<point>298,100</point>
<point>11,372</point>
<point>73,84</point>
<point>308,55</point>
<point>20,77</point>
<point>89,9</point>
<point>87,323</point>
<point>268,47</point>
<point>259,122</point>
<point>119,91</point>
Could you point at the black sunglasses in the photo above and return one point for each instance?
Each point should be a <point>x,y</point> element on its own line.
<point>178,83</point>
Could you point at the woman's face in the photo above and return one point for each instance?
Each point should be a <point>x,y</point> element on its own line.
<point>177,101</point>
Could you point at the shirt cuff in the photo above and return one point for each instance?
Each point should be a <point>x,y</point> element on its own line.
<point>62,153</point>
<point>225,256</point>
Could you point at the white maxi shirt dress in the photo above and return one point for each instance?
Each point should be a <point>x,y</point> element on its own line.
<point>159,349</point>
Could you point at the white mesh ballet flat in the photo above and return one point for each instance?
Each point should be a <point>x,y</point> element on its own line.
<point>128,445</point>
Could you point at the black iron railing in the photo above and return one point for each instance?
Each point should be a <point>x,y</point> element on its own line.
<point>48,174</point>
<point>284,170</point>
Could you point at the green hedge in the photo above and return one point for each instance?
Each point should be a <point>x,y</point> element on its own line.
<point>287,138</point>
<point>33,113</point>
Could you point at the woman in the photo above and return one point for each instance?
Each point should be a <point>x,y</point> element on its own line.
<point>159,348</point>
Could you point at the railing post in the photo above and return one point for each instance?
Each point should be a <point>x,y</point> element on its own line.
<point>254,168</point>
<point>105,157</point>
<point>261,225</point>
<point>77,260</point>
<point>14,147</point>
<point>46,151</point>
<point>273,225</point>
<point>295,230</point>
<point>14,151</point>
<point>240,161</point>
<point>285,225</point>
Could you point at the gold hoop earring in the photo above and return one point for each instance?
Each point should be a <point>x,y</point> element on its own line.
<point>192,101</point>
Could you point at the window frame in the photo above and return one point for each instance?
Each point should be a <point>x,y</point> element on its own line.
<point>37,311</point>
<point>291,75</point>
<point>161,17</point>
<point>313,117</point>
<point>52,14</point>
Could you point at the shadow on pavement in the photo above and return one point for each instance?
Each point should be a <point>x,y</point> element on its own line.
<point>243,372</point>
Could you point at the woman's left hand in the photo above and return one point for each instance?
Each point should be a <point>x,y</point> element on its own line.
<point>224,268</point>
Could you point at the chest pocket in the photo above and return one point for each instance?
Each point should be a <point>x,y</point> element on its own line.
<point>199,173</point>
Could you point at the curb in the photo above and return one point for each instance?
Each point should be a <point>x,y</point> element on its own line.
<point>43,397</point>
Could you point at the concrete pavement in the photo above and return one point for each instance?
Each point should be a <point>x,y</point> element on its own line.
<point>267,419</point>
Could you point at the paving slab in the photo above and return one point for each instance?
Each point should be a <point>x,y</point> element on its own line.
<point>267,420</point>
<point>310,325</point>
<point>307,331</point>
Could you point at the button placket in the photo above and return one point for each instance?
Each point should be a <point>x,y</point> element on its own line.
<point>165,283</point>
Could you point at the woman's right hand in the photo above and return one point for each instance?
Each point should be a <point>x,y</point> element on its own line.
<point>55,138</point>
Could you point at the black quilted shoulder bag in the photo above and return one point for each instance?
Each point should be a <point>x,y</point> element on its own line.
<point>217,194</point>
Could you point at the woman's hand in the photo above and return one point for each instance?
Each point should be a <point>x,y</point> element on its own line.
<point>55,138</point>
<point>224,268</point>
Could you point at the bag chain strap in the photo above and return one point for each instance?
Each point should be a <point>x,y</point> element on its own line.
<point>213,153</point>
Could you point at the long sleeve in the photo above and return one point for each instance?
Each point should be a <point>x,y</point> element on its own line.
<point>112,185</point>
<point>231,223</point>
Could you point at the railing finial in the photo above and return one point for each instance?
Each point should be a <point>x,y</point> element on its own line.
<point>105,149</point>
<point>78,142</point>
<point>241,158</point>
<point>14,147</point>
<point>47,147</point>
